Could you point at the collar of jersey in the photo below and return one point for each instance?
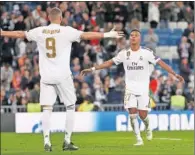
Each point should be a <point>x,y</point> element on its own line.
<point>54,24</point>
<point>134,51</point>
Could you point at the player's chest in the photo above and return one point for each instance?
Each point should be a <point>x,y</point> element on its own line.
<point>135,62</point>
<point>135,59</point>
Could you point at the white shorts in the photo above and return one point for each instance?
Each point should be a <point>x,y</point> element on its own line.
<point>65,90</point>
<point>141,102</point>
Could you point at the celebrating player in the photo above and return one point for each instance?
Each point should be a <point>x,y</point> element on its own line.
<point>136,61</point>
<point>54,43</point>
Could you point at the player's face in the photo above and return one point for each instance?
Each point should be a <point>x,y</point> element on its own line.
<point>135,37</point>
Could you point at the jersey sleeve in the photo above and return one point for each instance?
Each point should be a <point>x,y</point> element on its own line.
<point>118,58</point>
<point>152,58</point>
<point>32,35</point>
<point>74,34</point>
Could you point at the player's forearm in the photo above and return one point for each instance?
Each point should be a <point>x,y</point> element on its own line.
<point>99,35</point>
<point>106,64</point>
<point>92,35</point>
<point>13,34</point>
<point>166,67</point>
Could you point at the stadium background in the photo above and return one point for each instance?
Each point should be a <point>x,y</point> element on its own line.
<point>166,27</point>
<point>171,37</point>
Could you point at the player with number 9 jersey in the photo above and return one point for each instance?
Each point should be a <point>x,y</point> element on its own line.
<point>54,45</point>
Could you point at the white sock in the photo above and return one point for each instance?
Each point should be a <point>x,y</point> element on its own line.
<point>146,122</point>
<point>135,125</point>
<point>46,115</point>
<point>70,110</point>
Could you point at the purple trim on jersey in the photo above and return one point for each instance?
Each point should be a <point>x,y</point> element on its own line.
<point>156,58</point>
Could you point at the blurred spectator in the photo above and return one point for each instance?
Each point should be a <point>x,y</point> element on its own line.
<point>86,105</point>
<point>134,10</point>
<point>190,98</point>
<point>87,88</point>
<point>184,48</point>
<point>135,23</point>
<point>115,94</point>
<point>188,14</point>
<point>35,94</point>
<point>86,22</point>
<point>6,22</point>
<point>43,19</point>
<point>151,40</point>
<point>20,47</point>
<point>36,77</point>
<point>6,76</point>
<point>29,21</point>
<point>87,62</point>
<point>26,80</point>
<point>7,51</point>
<point>25,11</point>
<point>191,39</point>
<point>16,79</point>
<point>189,29</point>
<point>185,70</point>
<point>153,14</point>
<point>95,42</point>
<point>20,25</point>
<point>165,92</point>
<point>100,96</point>
<point>37,12</point>
<point>4,100</point>
<point>165,9</point>
<point>181,10</point>
<point>155,81</point>
<point>178,101</point>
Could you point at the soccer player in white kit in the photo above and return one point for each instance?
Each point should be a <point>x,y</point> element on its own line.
<point>136,62</point>
<point>54,44</point>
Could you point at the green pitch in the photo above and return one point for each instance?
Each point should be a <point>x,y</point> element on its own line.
<point>104,143</point>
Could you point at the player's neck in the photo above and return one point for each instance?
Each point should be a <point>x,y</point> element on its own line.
<point>55,22</point>
<point>135,48</point>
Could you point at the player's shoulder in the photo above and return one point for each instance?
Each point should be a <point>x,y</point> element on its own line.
<point>143,48</point>
<point>68,28</point>
<point>124,50</point>
<point>36,29</point>
<point>146,50</point>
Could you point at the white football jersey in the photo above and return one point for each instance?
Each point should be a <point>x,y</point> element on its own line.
<point>54,44</point>
<point>137,68</point>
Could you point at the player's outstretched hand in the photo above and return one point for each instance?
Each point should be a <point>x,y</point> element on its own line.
<point>114,34</point>
<point>86,71</point>
<point>180,78</point>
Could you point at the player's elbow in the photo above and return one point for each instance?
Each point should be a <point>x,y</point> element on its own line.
<point>109,63</point>
<point>84,36</point>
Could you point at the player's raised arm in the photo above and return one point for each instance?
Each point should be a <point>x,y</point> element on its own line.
<point>106,64</point>
<point>170,70</point>
<point>13,34</point>
<point>99,35</point>
<point>116,60</point>
<point>156,60</point>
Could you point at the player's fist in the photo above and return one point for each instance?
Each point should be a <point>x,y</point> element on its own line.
<point>180,78</point>
<point>86,71</point>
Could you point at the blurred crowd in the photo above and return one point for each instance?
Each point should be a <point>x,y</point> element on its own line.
<point>19,58</point>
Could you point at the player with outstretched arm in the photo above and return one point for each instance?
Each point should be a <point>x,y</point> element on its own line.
<point>54,44</point>
<point>136,62</point>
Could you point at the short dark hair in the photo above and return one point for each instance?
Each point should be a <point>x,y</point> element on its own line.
<point>133,30</point>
